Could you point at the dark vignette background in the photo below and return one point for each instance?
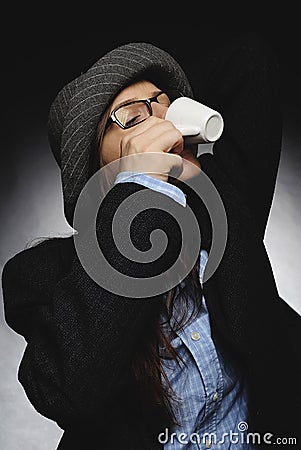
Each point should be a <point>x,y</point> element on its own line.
<point>37,60</point>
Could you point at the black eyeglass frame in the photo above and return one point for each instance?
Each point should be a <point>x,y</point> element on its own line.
<point>147,102</point>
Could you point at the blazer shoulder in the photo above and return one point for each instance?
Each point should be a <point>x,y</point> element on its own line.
<point>41,261</point>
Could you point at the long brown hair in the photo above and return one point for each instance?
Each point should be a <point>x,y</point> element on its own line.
<point>146,365</point>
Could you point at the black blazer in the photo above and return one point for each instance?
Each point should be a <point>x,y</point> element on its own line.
<point>75,369</point>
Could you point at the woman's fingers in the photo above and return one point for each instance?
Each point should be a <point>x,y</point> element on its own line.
<point>148,146</point>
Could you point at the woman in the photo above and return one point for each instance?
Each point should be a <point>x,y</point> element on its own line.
<point>201,358</point>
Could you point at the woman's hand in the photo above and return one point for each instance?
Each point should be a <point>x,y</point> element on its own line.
<point>155,147</point>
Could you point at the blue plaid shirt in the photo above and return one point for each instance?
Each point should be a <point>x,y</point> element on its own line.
<point>212,407</point>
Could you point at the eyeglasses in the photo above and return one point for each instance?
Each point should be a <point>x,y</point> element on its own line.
<point>137,111</point>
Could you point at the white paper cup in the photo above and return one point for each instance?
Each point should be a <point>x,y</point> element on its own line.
<point>197,122</point>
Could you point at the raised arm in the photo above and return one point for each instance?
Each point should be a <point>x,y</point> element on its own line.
<point>241,80</point>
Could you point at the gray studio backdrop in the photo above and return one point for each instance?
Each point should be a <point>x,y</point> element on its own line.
<point>33,208</point>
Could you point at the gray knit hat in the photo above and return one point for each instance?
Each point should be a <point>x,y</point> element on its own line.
<point>77,109</point>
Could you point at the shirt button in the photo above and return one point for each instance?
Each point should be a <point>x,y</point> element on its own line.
<point>195,336</point>
<point>208,443</point>
<point>215,396</point>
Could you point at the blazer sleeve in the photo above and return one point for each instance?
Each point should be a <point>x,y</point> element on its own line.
<point>79,336</point>
<point>241,81</point>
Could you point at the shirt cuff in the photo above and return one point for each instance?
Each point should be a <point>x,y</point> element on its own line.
<point>153,183</point>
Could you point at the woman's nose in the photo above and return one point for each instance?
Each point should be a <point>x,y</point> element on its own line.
<point>159,110</point>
